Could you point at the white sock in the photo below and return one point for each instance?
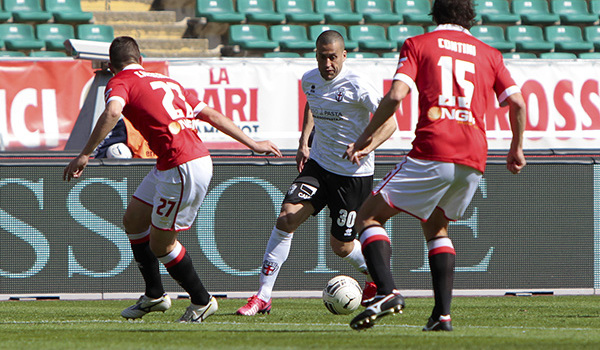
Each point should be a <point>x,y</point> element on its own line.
<point>357,260</point>
<point>276,254</point>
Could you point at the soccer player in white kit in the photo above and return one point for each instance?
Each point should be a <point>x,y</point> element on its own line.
<point>339,106</point>
<point>455,75</point>
<point>167,200</point>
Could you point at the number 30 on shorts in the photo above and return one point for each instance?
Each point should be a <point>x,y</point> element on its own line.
<point>346,218</point>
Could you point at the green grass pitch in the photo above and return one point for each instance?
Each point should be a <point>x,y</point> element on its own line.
<point>539,322</point>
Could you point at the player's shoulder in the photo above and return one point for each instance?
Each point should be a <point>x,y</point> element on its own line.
<point>311,75</point>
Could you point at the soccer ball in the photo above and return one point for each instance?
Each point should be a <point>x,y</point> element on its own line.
<point>118,150</point>
<point>342,295</point>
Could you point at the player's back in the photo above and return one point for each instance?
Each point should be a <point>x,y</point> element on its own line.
<point>455,75</point>
<point>162,111</point>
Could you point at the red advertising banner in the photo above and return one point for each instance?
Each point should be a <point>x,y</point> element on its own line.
<point>40,101</point>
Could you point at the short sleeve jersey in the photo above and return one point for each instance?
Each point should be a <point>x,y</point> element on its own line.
<point>341,109</point>
<point>455,74</point>
<point>162,111</point>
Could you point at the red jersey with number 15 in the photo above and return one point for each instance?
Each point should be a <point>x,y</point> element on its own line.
<point>455,74</point>
<point>162,111</point>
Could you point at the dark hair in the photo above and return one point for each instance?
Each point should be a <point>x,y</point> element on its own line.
<point>461,12</point>
<point>329,37</point>
<point>124,50</point>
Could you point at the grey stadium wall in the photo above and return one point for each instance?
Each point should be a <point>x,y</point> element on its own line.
<point>537,232</point>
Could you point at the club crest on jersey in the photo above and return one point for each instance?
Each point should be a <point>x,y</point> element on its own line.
<point>269,267</point>
<point>340,95</point>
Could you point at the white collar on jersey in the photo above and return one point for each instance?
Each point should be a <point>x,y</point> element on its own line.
<point>456,27</point>
<point>340,75</point>
<point>133,66</point>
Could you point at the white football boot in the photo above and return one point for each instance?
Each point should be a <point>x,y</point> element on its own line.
<point>145,305</point>
<point>199,313</point>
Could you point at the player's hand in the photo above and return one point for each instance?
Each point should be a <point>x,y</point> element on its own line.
<point>354,155</point>
<point>515,161</point>
<point>267,147</point>
<point>301,157</point>
<point>75,167</point>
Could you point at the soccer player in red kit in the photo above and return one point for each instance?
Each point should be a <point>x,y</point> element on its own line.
<point>167,200</point>
<point>454,74</point>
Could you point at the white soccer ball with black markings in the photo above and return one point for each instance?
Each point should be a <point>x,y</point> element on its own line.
<point>342,295</point>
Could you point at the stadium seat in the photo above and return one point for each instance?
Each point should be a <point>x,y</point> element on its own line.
<point>495,11</point>
<point>282,54</point>
<point>519,55</point>
<point>54,34</point>
<point>493,36</point>
<point>312,55</point>
<point>67,11</point>
<point>19,36</point>
<point>260,11</point>
<point>27,11</point>
<point>251,37</point>
<point>5,16</point>
<point>315,30</point>
<point>534,12</point>
<point>573,12</point>
<point>589,55</point>
<point>595,7</point>
<point>337,11</point>
<point>362,55</point>
<point>567,39</point>
<point>399,33</point>
<point>528,38</point>
<point>95,32</point>
<point>291,37</point>
<point>413,11</point>
<point>299,11</point>
<point>220,11</point>
<point>592,35</point>
<point>395,55</point>
<point>377,11</point>
<point>47,54</point>
<point>558,55</point>
<point>12,54</point>
<point>370,37</point>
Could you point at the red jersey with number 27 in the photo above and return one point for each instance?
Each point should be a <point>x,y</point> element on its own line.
<point>162,111</point>
<point>455,74</point>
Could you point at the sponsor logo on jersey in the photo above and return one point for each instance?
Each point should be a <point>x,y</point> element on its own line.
<point>269,267</point>
<point>326,114</point>
<point>460,115</point>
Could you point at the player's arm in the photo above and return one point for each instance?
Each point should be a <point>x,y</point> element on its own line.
<point>515,160</point>
<point>381,126</point>
<point>106,122</point>
<point>308,125</point>
<point>225,125</point>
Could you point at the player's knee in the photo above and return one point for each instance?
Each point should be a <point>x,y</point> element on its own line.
<point>287,222</point>
<point>340,248</point>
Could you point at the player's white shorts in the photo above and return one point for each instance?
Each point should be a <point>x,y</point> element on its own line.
<point>176,194</point>
<point>418,186</point>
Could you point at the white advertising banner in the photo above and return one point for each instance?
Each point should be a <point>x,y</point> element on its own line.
<point>264,98</point>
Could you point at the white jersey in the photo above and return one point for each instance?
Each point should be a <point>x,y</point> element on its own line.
<point>341,109</point>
